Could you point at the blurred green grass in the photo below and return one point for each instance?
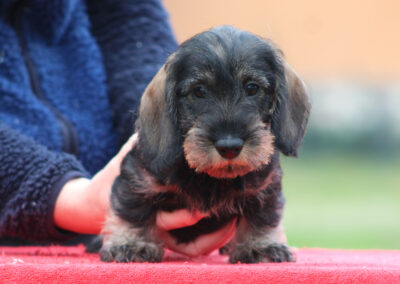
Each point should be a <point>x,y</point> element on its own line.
<point>342,201</point>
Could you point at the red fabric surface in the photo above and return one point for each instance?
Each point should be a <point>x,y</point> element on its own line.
<point>73,265</point>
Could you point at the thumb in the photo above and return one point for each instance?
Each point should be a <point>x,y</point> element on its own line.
<point>204,244</point>
<point>178,219</point>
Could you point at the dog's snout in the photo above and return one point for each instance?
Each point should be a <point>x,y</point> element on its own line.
<point>229,147</point>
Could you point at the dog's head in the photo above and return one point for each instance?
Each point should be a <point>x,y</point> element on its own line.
<point>224,101</point>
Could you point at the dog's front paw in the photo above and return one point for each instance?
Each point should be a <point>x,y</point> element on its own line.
<point>256,254</point>
<point>225,250</point>
<point>132,252</point>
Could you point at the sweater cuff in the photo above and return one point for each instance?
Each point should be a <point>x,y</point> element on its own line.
<point>55,232</point>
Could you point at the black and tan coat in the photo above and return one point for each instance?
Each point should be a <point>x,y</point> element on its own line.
<point>211,125</point>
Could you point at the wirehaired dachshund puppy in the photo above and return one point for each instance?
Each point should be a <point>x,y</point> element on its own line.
<point>211,125</point>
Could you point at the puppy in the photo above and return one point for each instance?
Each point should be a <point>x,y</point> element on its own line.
<point>211,125</point>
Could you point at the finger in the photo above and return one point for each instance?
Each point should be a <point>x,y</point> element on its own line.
<point>177,219</point>
<point>207,243</point>
<point>116,161</point>
<point>102,182</point>
<point>128,145</point>
<point>203,245</point>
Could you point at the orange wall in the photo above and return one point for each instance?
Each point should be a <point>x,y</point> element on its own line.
<point>356,38</point>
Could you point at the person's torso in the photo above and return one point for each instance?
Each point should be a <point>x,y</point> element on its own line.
<point>52,79</point>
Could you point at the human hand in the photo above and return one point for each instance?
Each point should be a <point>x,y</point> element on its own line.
<point>82,206</point>
<point>83,203</point>
<point>204,244</point>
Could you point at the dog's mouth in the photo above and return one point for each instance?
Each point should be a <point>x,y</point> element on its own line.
<point>204,157</point>
<point>229,169</point>
<point>229,157</point>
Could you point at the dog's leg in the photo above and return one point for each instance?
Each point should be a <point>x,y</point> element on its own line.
<point>253,245</point>
<point>124,243</point>
<point>95,245</point>
<point>225,250</point>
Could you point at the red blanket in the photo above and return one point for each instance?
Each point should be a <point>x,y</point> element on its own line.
<point>72,265</point>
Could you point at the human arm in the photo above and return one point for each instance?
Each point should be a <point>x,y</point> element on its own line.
<point>83,205</point>
<point>135,39</point>
<point>46,197</point>
<point>31,177</point>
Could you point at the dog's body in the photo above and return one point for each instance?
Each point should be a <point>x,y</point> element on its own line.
<point>210,126</point>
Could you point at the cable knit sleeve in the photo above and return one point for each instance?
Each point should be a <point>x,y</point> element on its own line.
<point>31,177</point>
<point>135,38</point>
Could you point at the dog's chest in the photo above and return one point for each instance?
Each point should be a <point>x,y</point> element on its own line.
<point>220,197</point>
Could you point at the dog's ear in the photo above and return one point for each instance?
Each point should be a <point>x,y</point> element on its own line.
<point>159,139</point>
<point>290,117</point>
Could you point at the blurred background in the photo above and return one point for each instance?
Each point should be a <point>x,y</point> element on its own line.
<point>344,190</point>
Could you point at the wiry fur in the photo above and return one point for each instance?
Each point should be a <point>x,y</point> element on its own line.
<point>176,164</point>
<point>202,156</point>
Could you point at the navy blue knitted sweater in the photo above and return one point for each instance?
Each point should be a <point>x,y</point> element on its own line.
<point>71,77</point>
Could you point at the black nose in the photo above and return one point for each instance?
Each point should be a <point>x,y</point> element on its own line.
<point>229,147</point>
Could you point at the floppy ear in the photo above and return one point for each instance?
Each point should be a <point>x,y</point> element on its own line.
<point>159,142</point>
<point>290,117</point>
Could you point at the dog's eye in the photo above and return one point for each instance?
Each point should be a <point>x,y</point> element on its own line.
<point>199,91</point>
<point>251,89</point>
